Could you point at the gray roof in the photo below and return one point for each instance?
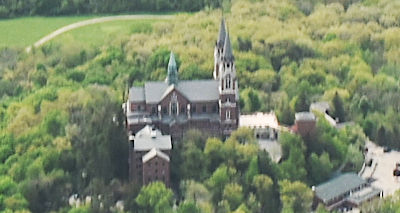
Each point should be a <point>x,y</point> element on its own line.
<point>194,91</point>
<point>228,55</point>
<point>222,34</point>
<point>338,186</point>
<point>364,195</point>
<point>304,116</point>
<point>136,94</point>
<point>149,138</point>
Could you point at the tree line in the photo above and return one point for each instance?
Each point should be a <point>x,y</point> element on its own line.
<point>15,8</point>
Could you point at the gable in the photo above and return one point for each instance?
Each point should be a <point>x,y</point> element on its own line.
<point>193,91</point>
<point>172,93</point>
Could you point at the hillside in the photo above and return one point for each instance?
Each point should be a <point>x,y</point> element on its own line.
<point>62,126</point>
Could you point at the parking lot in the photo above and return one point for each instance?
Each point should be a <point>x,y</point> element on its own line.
<point>381,170</point>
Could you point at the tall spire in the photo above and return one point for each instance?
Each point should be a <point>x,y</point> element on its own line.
<point>228,55</point>
<point>222,34</point>
<point>172,75</point>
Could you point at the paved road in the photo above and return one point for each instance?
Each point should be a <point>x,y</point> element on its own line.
<point>93,21</point>
<point>382,169</point>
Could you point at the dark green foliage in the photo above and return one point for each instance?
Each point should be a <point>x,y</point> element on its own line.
<point>10,9</point>
<point>54,123</point>
<point>77,76</point>
<point>338,107</point>
<point>288,50</point>
<point>244,44</point>
<point>159,61</point>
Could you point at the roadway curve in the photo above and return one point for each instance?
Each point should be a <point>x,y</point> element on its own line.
<point>93,21</point>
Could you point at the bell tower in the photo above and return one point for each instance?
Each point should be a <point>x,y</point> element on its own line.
<point>228,88</point>
<point>219,47</point>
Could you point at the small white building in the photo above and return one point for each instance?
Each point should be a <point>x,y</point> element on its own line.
<point>265,125</point>
<point>266,130</point>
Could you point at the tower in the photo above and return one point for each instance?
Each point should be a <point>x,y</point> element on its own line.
<point>228,87</point>
<point>219,46</point>
<point>172,75</point>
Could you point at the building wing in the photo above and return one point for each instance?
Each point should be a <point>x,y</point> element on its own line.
<point>339,186</point>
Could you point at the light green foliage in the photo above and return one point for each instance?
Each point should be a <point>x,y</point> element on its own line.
<point>58,103</point>
<point>233,193</point>
<point>251,171</point>
<point>263,186</point>
<point>216,183</point>
<point>389,204</point>
<point>188,207</point>
<point>295,197</point>
<point>155,197</point>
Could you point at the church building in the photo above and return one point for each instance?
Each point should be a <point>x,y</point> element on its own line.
<point>175,106</point>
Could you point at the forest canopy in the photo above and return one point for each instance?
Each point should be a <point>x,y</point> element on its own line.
<point>61,122</point>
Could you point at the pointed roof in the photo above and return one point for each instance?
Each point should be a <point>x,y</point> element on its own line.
<point>153,153</point>
<point>222,34</point>
<point>228,55</point>
<point>172,75</point>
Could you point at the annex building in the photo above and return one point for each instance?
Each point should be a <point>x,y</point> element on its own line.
<point>344,192</point>
<point>175,106</point>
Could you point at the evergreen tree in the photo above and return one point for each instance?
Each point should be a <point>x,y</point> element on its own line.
<point>338,107</point>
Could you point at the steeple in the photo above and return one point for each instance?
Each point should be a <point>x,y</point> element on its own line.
<point>172,75</point>
<point>222,34</point>
<point>228,55</point>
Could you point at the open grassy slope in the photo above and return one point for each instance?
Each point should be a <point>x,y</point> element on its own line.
<point>98,34</point>
<point>22,32</point>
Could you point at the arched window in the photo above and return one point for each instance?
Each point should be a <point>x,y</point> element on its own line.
<point>228,82</point>
<point>228,115</point>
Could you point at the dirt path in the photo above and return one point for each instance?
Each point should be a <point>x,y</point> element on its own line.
<point>93,21</point>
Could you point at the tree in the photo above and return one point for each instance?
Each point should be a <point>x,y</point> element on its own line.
<point>233,193</point>
<point>320,167</point>
<point>188,207</point>
<point>216,183</point>
<point>214,153</point>
<point>339,111</point>
<point>194,165</point>
<point>251,171</point>
<point>254,101</point>
<point>263,186</point>
<point>295,196</point>
<point>155,197</point>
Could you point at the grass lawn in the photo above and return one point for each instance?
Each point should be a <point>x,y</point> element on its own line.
<point>98,34</point>
<point>22,32</point>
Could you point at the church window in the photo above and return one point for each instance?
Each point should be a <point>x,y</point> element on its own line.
<point>228,82</point>
<point>174,108</point>
<point>228,114</point>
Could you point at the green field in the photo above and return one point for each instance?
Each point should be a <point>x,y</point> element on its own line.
<point>22,32</point>
<point>98,34</point>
